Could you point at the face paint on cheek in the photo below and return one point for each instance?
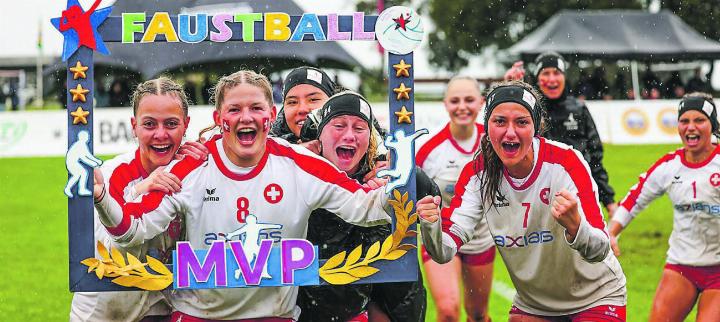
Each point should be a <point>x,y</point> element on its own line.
<point>266,124</point>
<point>225,125</point>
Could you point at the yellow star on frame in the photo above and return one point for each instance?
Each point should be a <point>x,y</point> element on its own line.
<point>404,116</point>
<point>402,69</point>
<point>402,92</point>
<point>80,116</point>
<point>78,93</point>
<point>78,70</point>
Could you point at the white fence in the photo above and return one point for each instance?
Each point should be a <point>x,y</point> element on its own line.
<point>44,133</point>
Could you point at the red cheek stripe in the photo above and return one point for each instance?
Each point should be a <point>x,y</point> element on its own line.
<point>225,126</point>
<point>266,124</point>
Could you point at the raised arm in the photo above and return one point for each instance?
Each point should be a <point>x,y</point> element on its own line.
<point>651,185</point>
<point>443,232</point>
<point>131,223</point>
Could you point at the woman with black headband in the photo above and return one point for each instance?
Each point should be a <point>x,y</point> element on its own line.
<point>343,128</point>
<point>305,89</point>
<point>691,178</point>
<point>569,119</point>
<point>541,206</point>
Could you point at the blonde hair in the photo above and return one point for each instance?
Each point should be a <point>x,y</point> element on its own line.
<point>159,86</point>
<point>229,81</point>
<point>455,79</point>
<point>372,151</point>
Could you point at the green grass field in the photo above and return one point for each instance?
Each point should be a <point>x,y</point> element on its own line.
<point>33,225</point>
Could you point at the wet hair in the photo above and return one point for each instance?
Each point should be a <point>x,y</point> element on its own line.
<point>709,98</point>
<point>229,81</point>
<point>159,86</point>
<point>474,81</point>
<point>492,165</point>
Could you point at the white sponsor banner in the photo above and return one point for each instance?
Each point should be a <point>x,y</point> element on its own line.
<point>636,122</point>
<point>44,133</point>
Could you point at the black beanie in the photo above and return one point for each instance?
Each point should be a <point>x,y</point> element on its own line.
<point>515,94</point>
<point>345,103</point>
<point>702,105</point>
<point>550,59</point>
<point>311,76</point>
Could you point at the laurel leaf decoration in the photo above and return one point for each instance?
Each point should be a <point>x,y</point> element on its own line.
<point>341,269</point>
<point>130,273</point>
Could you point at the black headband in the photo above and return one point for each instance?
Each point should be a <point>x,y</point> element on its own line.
<point>550,60</point>
<point>345,103</point>
<point>703,106</point>
<point>515,94</point>
<point>311,76</point>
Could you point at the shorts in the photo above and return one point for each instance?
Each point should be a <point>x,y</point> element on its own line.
<point>479,259</point>
<point>703,277</point>
<point>179,316</point>
<point>602,313</point>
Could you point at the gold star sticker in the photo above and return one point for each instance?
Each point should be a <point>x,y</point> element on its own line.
<point>78,93</point>
<point>402,69</point>
<point>402,92</point>
<point>80,116</point>
<point>78,70</point>
<point>404,116</point>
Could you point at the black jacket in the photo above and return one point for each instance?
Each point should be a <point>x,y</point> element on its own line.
<point>281,130</point>
<point>402,301</point>
<point>571,123</point>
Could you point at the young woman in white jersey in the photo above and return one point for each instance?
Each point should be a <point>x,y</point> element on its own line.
<point>691,178</point>
<point>442,158</point>
<point>541,206</point>
<point>253,179</point>
<point>159,123</point>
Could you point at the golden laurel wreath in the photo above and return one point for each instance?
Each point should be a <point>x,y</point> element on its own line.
<point>337,273</point>
<point>131,273</point>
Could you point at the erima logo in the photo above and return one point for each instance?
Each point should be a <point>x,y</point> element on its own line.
<point>210,197</point>
<point>676,179</point>
<point>501,201</point>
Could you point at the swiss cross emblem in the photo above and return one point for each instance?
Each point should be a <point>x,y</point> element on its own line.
<point>715,179</point>
<point>273,193</point>
<point>545,196</point>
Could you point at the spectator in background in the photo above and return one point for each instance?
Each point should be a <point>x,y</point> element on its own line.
<point>673,87</point>
<point>3,97</point>
<point>119,93</point>
<point>207,90</point>
<point>600,84</point>
<point>697,83</point>
<point>278,90</point>
<point>190,90</point>
<point>651,85</point>
<point>620,87</point>
<point>101,95</point>
<point>584,88</point>
<point>14,98</point>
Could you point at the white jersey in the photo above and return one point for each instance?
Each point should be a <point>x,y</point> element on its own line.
<point>124,171</point>
<point>694,190</point>
<point>552,276</point>
<point>442,158</point>
<point>281,192</point>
